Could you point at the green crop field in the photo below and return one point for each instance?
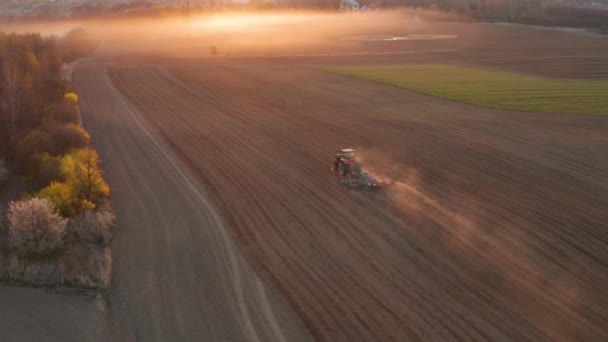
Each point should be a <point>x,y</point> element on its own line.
<point>491,88</point>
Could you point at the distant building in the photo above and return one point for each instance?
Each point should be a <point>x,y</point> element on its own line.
<point>349,5</point>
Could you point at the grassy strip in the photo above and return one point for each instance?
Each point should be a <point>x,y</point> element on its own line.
<point>493,89</point>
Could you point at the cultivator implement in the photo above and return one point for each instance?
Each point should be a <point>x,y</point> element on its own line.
<point>348,168</point>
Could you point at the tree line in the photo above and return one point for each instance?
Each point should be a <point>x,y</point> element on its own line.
<point>31,84</point>
<point>60,223</point>
<point>30,75</point>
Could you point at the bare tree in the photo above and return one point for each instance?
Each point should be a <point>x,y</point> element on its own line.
<point>10,76</point>
<point>3,171</point>
<point>18,64</point>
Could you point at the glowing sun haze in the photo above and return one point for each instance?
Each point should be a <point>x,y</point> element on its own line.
<point>237,33</point>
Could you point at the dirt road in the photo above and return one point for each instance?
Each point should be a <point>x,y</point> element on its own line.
<point>177,273</point>
<point>495,229</point>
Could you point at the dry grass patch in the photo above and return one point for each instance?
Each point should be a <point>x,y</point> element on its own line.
<point>44,249</point>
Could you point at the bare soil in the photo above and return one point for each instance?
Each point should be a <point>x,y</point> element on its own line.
<point>495,229</point>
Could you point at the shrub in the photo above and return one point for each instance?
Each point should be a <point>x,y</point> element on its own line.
<point>48,271</point>
<point>54,140</point>
<point>3,171</point>
<point>60,194</point>
<point>84,186</point>
<point>34,228</point>
<point>64,112</point>
<point>71,97</point>
<point>44,168</point>
<point>87,266</point>
<point>35,142</point>
<point>68,137</point>
<point>94,227</point>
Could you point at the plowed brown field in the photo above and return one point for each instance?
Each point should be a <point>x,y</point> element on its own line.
<point>496,227</point>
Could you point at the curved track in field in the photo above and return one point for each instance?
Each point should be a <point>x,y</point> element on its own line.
<point>495,229</point>
<point>177,273</point>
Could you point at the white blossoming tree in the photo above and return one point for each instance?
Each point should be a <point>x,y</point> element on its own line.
<point>34,227</point>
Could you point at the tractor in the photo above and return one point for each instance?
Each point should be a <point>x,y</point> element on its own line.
<point>348,167</point>
<point>346,163</point>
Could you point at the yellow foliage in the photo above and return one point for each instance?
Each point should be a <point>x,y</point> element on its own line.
<point>32,61</point>
<point>84,185</point>
<point>71,97</point>
<point>85,205</point>
<point>84,175</point>
<point>60,195</point>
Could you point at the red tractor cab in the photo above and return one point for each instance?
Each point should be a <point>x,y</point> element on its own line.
<point>346,163</point>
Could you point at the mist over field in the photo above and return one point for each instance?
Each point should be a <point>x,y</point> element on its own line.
<point>243,33</point>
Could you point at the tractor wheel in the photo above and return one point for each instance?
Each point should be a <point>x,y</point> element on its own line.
<point>341,170</point>
<point>355,170</point>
